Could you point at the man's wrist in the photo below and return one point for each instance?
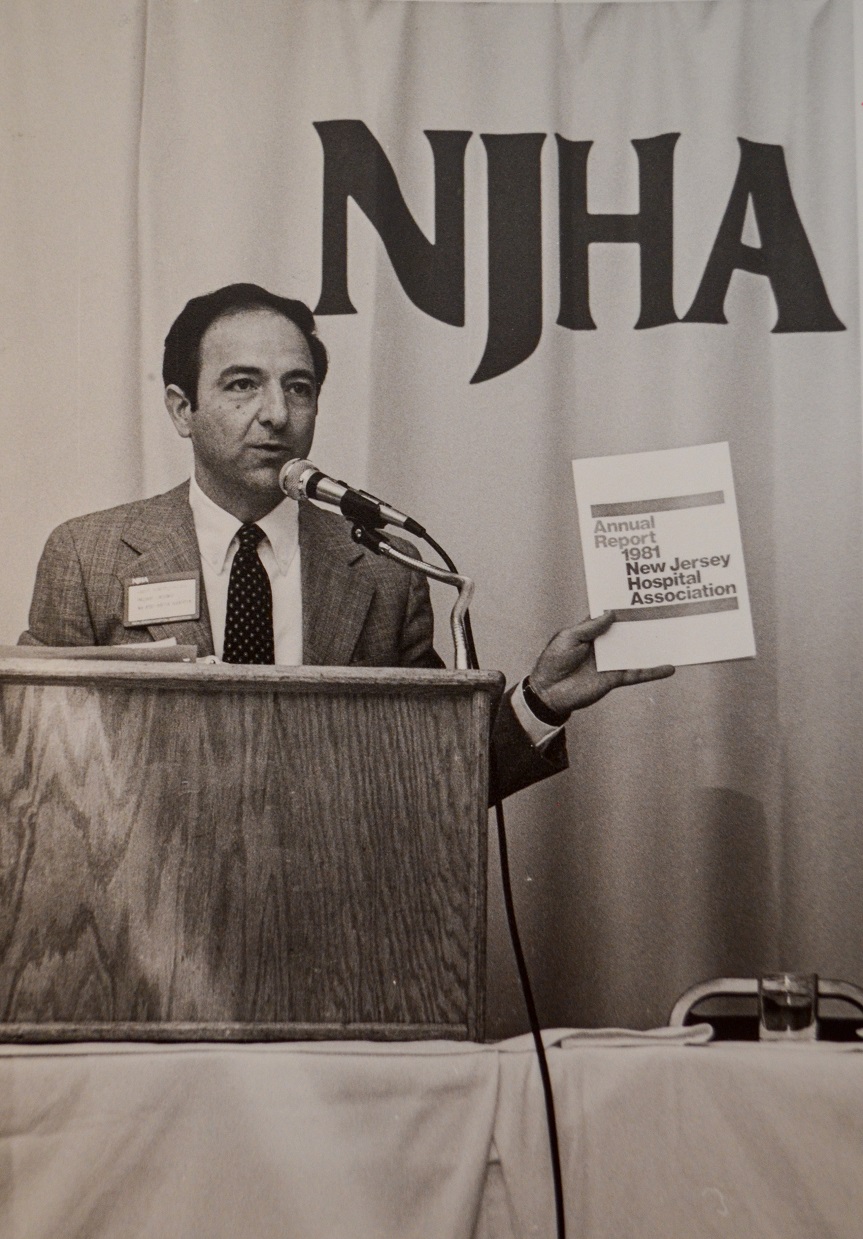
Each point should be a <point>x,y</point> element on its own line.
<point>545,714</point>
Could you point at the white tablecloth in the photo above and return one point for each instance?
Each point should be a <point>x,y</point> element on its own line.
<point>350,1141</point>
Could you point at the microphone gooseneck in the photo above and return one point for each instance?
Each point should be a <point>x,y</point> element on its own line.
<point>376,542</point>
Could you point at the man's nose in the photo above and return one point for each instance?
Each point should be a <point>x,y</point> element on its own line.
<point>274,407</point>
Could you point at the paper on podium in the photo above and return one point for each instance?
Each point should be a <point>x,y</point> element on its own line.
<point>165,651</point>
<point>662,549</point>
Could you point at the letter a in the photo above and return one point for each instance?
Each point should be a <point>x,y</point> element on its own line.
<point>785,256</point>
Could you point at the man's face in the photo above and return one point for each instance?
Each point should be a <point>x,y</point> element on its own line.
<point>256,407</point>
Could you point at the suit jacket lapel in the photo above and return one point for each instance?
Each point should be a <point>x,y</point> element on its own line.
<point>337,589</point>
<point>163,535</point>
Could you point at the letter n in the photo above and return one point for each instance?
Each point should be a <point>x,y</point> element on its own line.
<point>785,256</point>
<point>652,229</point>
<point>355,166</point>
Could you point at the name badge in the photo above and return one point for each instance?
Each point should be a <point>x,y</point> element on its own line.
<point>161,599</point>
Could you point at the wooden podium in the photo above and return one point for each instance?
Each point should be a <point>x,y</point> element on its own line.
<point>241,853</point>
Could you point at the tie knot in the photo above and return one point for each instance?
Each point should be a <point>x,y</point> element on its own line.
<point>249,536</point>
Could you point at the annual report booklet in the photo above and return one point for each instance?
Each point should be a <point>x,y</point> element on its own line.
<point>662,550</point>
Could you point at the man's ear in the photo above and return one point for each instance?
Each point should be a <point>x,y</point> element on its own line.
<point>179,408</point>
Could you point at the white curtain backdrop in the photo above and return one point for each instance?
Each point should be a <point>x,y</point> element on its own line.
<point>709,825</point>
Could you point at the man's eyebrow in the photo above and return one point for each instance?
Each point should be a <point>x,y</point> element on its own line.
<point>299,373</point>
<point>229,371</point>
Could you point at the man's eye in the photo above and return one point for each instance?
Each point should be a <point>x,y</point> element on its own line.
<point>241,384</point>
<point>301,388</point>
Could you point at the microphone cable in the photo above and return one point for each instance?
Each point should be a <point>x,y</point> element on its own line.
<point>512,924</point>
<point>515,939</point>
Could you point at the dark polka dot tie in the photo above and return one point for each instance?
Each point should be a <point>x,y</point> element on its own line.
<point>249,617</point>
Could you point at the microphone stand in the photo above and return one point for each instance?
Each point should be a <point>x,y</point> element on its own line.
<point>375,541</point>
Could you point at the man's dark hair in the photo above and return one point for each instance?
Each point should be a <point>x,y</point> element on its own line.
<point>181,364</point>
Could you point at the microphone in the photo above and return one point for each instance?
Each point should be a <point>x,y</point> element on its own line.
<point>300,479</point>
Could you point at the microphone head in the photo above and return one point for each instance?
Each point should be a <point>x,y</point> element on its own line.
<point>292,477</point>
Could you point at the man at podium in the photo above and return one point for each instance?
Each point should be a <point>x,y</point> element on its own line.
<point>228,563</point>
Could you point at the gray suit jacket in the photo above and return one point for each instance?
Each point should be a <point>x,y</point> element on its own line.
<point>358,608</point>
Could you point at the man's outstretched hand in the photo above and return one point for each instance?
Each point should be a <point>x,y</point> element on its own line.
<point>565,676</point>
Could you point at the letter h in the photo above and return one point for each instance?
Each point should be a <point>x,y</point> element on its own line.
<point>652,228</point>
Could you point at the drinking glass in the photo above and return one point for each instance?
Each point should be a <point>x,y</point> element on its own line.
<point>788,1006</point>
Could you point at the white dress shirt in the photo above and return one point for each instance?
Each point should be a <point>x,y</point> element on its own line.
<point>279,551</point>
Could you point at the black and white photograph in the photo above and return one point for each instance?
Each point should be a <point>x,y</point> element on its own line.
<point>431,619</point>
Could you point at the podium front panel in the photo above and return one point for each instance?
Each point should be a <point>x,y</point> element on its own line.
<point>242,853</point>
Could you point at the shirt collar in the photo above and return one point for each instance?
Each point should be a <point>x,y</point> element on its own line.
<point>282,527</point>
<point>216,529</point>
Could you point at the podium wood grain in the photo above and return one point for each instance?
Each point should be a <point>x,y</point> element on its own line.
<point>241,852</point>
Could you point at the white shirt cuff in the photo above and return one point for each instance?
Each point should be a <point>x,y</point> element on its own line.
<point>539,733</point>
